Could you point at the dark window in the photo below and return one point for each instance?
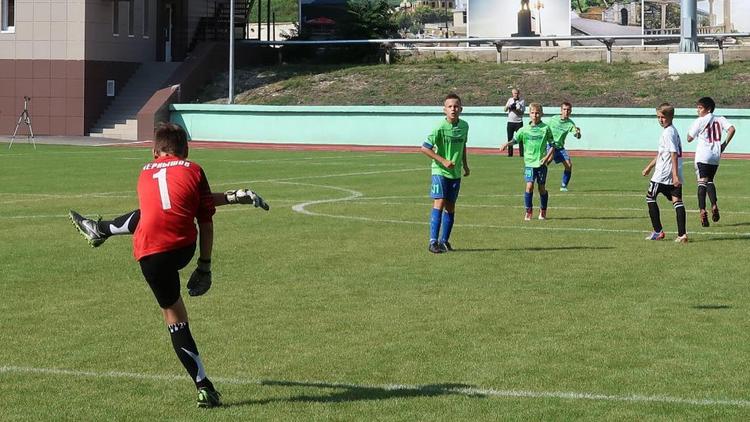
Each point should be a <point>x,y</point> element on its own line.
<point>115,17</point>
<point>9,15</point>
<point>131,17</point>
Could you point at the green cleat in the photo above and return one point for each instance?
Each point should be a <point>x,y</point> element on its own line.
<point>208,398</point>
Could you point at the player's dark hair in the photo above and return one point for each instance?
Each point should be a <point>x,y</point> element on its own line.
<point>707,103</point>
<point>453,96</point>
<point>666,109</point>
<point>566,103</point>
<point>170,138</point>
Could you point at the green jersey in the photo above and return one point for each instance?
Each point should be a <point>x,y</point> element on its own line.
<point>449,140</point>
<point>560,130</point>
<point>535,140</point>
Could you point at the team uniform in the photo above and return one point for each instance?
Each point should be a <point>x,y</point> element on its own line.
<point>560,130</point>
<point>662,181</point>
<point>707,130</point>
<point>448,140</point>
<point>172,194</point>
<point>536,140</point>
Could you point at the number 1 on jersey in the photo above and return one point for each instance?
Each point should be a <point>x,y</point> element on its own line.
<point>161,177</point>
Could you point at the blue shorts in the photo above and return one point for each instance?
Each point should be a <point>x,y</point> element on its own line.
<point>535,174</point>
<point>444,188</point>
<point>560,155</point>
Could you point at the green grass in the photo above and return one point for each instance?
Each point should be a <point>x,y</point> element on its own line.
<point>482,84</point>
<point>319,317</point>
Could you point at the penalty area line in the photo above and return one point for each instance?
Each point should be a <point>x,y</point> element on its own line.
<point>465,391</point>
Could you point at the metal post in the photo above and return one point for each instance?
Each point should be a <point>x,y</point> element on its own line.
<point>230,99</point>
<point>608,43</point>
<point>260,12</point>
<point>720,40</point>
<point>689,26</point>
<point>268,20</point>
<point>499,48</point>
<point>273,21</point>
<point>387,48</point>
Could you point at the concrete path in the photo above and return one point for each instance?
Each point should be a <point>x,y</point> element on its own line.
<point>595,27</point>
<point>67,140</point>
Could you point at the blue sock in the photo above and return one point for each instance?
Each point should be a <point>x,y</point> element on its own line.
<point>435,224</point>
<point>566,178</point>
<point>527,199</point>
<point>544,197</point>
<point>448,219</point>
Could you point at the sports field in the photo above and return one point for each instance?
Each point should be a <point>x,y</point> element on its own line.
<point>329,307</point>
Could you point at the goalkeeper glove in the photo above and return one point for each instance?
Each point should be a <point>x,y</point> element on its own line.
<point>200,280</point>
<point>245,196</point>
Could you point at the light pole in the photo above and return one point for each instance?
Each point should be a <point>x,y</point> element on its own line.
<point>539,5</point>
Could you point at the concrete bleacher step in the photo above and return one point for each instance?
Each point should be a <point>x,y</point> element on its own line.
<point>119,119</point>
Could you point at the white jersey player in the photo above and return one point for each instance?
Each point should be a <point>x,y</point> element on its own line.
<point>708,129</point>
<point>667,177</point>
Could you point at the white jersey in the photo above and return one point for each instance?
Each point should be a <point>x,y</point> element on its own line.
<point>668,143</point>
<point>707,131</point>
<point>520,106</point>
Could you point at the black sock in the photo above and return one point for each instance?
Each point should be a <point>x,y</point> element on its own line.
<point>711,190</point>
<point>124,224</point>
<point>653,212</point>
<point>679,209</point>
<point>186,350</point>
<point>702,195</point>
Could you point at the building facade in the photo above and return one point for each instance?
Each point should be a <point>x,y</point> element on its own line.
<point>72,56</point>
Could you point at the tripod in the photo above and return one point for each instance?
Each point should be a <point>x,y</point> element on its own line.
<point>24,118</point>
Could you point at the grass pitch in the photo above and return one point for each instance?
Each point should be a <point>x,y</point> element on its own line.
<point>329,307</point>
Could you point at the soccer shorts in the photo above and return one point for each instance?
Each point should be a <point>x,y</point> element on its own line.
<point>445,188</point>
<point>706,171</point>
<point>560,155</point>
<point>161,271</point>
<point>669,191</point>
<point>535,174</point>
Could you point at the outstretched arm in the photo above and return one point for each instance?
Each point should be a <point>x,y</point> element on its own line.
<point>730,135</point>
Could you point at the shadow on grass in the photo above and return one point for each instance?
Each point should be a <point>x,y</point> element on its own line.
<point>711,306</point>
<point>351,392</point>
<point>456,250</point>
<point>560,248</point>
<point>724,238</point>
<point>601,218</point>
<point>744,224</point>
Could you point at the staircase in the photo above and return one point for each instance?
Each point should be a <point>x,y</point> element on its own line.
<point>119,120</point>
<point>216,26</point>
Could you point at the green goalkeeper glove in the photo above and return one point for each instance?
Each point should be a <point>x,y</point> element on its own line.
<point>245,196</point>
<point>200,280</point>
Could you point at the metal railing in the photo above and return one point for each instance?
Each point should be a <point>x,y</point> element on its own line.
<point>607,40</point>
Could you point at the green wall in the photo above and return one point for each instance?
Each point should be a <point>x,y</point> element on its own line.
<point>624,129</point>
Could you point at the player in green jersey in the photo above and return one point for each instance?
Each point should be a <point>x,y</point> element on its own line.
<point>561,126</point>
<point>536,136</point>
<point>446,146</point>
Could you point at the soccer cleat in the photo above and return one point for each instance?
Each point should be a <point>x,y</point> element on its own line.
<point>682,239</point>
<point>656,236</point>
<point>542,214</point>
<point>563,188</point>
<point>446,246</point>
<point>704,218</point>
<point>88,228</point>
<point>434,247</point>
<point>527,216</point>
<point>715,214</point>
<point>208,398</point>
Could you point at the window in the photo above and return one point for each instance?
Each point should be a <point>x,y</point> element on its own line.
<point>145,18</point>
<point>8,18</point>
<point>115,18</point>
<point>464,13</point>
<point>131,18</point>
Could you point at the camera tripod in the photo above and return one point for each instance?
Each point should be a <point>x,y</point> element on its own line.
<point>26,119</point>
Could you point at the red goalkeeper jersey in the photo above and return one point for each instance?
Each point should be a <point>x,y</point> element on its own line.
<point>172,194</point>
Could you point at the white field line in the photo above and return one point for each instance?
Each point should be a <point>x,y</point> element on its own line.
<point>355,195</point>
<point>466,391</point>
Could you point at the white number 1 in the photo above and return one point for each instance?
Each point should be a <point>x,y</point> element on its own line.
<point>161,177</point>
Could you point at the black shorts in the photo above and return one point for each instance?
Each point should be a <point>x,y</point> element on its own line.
<point>706,171</point>
<point>162,273</point>
<point>669,191</point>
